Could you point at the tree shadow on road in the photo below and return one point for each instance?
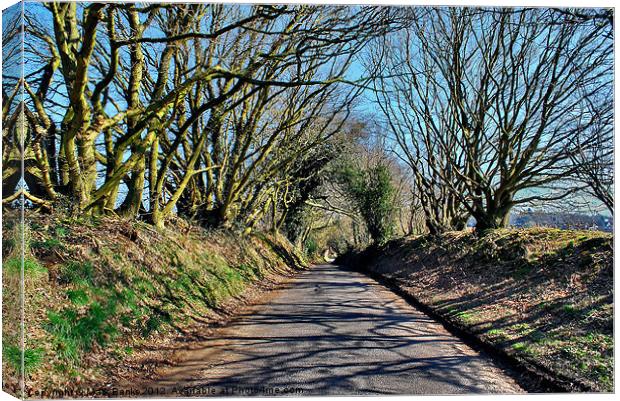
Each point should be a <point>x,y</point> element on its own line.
<point>352,342</point>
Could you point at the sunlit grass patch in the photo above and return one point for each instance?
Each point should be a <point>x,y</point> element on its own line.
<point>31,266</point>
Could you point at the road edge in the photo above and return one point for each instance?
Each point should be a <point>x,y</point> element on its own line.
<point>533,379</point>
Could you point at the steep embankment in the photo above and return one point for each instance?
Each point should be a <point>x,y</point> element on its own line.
<point>108,297</point>
<point>543,297</point>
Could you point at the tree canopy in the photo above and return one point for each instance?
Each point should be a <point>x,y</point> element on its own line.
<point>241,115</point>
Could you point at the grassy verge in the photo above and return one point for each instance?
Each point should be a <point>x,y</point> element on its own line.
<point>98,292</point>
<point>542,296</point>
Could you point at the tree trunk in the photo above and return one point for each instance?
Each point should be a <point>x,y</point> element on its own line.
<point>133,202</point>
<point>493,219</point>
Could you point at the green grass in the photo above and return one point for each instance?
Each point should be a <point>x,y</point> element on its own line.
<point>143,286</point>
<point>61,231</point>
<point>48,244</point>
<point>121,352</point>
<point>32,358</point>
<point>31,266</point>
<point>154,323</point>
<point>522,328</point>
<point>75,333</point>
<point>75,330</point>
<point>570,309</point>
<point>249,272</point>
<point>78,297</point>
<point>77,273</point>
<point>95,311</point>
<point>497,333</point>
<point>520,347</point>
<point>591,354</point>
<point>467,317</point>
<point>13,265</point>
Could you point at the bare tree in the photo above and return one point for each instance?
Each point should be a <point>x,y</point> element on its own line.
<point>420,122</point>
<point>510,84</point>
<point>147,110</point>
<point>593,157</point>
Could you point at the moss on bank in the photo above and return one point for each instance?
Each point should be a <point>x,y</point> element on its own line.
<point>542,295</point>
<point>97,289</point>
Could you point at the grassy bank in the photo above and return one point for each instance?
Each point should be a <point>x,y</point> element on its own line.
<point>102,294</point>
<point>542,296</point>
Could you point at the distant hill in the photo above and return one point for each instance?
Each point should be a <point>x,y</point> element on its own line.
<point>562,220</point>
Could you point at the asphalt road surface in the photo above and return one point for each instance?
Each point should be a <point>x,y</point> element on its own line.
<point>333,331</point>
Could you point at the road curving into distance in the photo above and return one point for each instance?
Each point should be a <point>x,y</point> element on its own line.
<point>332,331</point>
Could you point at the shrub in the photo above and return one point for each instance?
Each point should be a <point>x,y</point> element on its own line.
<point>310,246</point>
<point>373,192</point>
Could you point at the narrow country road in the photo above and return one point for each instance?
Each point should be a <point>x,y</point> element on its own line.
<point>333,331</point>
